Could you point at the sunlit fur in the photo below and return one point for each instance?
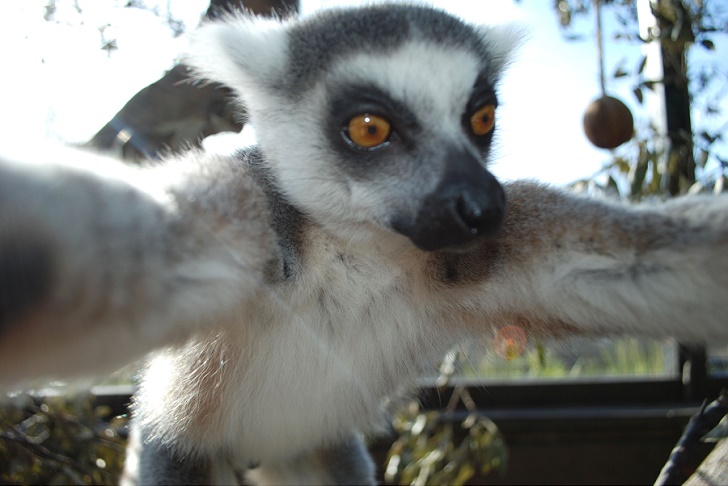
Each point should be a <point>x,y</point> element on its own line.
<point>433,80</point>
<point>286,308</point>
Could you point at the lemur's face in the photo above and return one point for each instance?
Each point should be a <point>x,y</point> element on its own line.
<point>379,118</point>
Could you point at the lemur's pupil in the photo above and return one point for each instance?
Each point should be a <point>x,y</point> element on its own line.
<point>486,118</point>
<point>372,130</point>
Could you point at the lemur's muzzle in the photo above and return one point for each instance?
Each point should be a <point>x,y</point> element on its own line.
<point>467,205</point>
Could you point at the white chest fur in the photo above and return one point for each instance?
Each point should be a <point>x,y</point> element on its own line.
<point>315,358</point>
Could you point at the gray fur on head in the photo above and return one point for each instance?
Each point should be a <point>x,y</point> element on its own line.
<point>290,55</point>
<point>299,80</point>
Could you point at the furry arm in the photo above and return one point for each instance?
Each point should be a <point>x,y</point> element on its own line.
<point>101,262</point>
<point>99,265</point>
<point>565,264</point>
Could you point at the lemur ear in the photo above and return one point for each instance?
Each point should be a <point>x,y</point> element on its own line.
<point>502,43</point>
<point>244,52</point>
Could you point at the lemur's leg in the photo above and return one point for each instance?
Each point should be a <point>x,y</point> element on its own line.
<point>347,462</point>
<point>149,461</point>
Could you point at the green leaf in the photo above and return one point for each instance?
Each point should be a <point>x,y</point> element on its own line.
<point>642,64</point>
<point>708,137</point>
<point>466,472</point>
<point>638,94</point>
<point>612,185</point>
<point>649,85</point>
<point>702,158</point>
<point>637,177</point>
<point>708,44</point>
<point>656,182</point>
<point>621,164</point>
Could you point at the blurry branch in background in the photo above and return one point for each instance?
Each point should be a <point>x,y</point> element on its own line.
<point>679,157</point>
<point>692,449</point>
<point>432,448</point>
<point>59,440</point>
<point>175,113</point>
<point>671,156</point>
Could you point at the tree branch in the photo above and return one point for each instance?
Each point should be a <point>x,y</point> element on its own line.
<point>690,451</point>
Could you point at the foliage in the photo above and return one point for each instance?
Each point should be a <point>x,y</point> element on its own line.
<point>59,440</point>
<point>433,449</point>
<point>578,358</point>
<point>426,451</point>
<point>690,158</point>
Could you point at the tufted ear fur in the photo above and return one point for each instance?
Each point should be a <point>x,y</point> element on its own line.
<point>502,41</point>
<point>244,52</point>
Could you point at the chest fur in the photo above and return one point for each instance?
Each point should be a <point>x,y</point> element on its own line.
<point>318,353</point>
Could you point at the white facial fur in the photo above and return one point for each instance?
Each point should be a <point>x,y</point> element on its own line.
<point>245,53</point>
<point>294,135</point>
<point>433,80</point>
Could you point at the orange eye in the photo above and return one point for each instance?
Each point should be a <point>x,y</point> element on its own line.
<point>368,131</point>
<point>483,120</point>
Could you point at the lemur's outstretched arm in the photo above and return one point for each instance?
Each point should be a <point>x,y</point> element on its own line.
<point>565,264</point>
<point>97,268</point>
<point>99,265</point>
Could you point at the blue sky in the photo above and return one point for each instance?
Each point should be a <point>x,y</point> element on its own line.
<point>66,87</point>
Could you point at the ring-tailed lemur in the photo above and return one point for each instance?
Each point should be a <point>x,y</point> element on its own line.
<point>302,283</point>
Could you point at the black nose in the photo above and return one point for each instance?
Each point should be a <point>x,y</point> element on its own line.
<point>480,212</point>
<point>467,204</point>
